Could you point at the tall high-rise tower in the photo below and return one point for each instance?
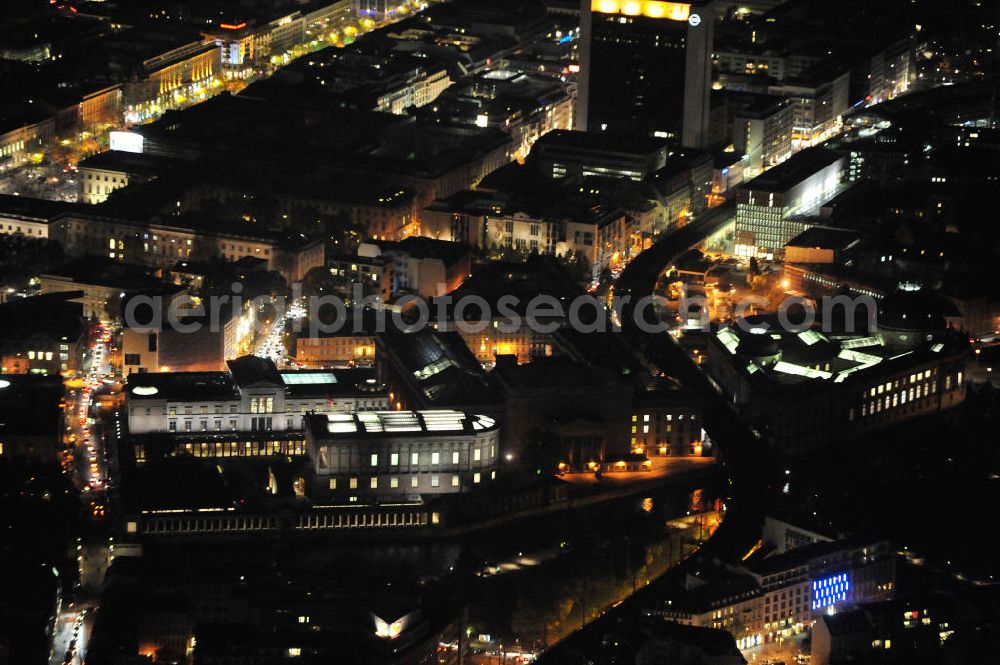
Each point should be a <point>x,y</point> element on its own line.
<point>646,68</point>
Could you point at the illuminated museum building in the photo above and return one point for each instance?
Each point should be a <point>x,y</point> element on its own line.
<point>253,396</point>
<point>359,456</point>
<point>803,390</point>
<point>361,470</point>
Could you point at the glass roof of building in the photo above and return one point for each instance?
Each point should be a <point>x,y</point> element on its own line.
<point>308,378</point>
<point>441,420</point>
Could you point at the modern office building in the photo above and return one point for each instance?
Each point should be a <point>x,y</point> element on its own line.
<point>646,68</point>
<point>763,132</point>
<point>400,453</point>
<point>562,153</point>
<point>819,100</point>
<point>769,208</point>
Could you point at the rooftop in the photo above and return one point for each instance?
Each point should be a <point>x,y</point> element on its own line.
<point>547,374</point>
<point>847,623</point>
<point>102,271</point>
<point>438,364</point>
<point>25,207</point>
<point>822,237</point>
<point>776,358</point>
<point>366,423</point>
<point>538,275</point>
<point>793,171</point>
<point>595,141</point>
<point>176,386</point>
<point>818,551</point>
<point>250,371</point>
<point>426,248</point>
<point>128,162</point>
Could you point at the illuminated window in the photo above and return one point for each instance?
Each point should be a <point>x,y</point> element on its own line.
<point>414,458</point>
<point>333,483</point>
<point>830,591</point>
<point>454,457</point>
<point>435,481</point>
<point>394,459</point>
<point>394,482</point>
<point>373,483</point>
<point>476,477</point>
<point>353,483</point>
<point>435,458</point>
<point>455,481</point>
<point>414,481</point>
<point>477,454</point>
<point>374,459</point>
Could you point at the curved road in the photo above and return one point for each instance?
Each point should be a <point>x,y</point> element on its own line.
<point>747,461</point>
